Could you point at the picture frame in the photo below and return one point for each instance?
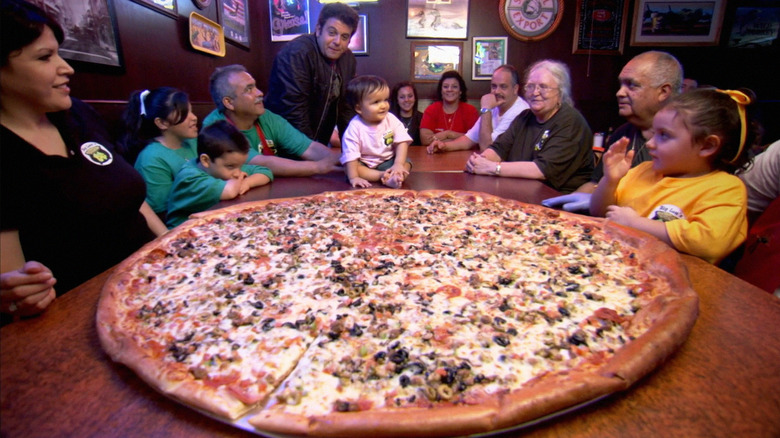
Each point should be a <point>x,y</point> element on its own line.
<point>289,20</point>
<point>167,7</point>
<point>359,42</point>
<point>206,35</point>
<point>96,44</point>
<point>488,53</point>
<point>432,58</point>
<point>600,27</point>
<point>438,19</point>
<point>676,23</point>
<point>233,17</point>
<point>755,27</point>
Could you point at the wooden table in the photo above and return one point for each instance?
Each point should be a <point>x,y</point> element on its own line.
<point>55,380</point>
<point>422,161</point>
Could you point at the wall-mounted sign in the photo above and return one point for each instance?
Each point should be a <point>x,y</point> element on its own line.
<point>530,20</point>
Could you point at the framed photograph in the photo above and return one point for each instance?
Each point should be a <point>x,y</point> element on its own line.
<point>448,19</point>
<point>90,30</point>
<point>600,27</point>
<point>677,22</point>
<point>359,42</point>
<point>432,58</point>
<point>206,35</point>
<point>489,54</point>
<point>755,27</point>
<point>233,19</point>
<point>167,7</point>
<point>288,19</point>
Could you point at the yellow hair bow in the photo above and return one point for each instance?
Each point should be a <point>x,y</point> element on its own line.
<point>742,101</point>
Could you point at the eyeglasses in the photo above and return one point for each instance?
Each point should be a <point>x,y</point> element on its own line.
<point>543,89</point>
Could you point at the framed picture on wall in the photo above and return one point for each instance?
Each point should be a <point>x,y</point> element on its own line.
<point>489,54</point>
<point>206,35</point>
<point>90,30</point>
<point>165,6</point>
<point>755,27</point>
<point>288,19</point>
<point>359,42</point>
<point>233,19</point>
<point>677,22</point>
<point>432,58</point>
<point>600,27</point>
<point>437,19</point>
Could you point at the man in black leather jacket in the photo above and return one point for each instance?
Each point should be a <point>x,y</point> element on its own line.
<point>310,75</point>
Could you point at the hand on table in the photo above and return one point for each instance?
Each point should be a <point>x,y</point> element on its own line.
<point>436,146</point>
<point>359,182</point>
<point>576,201</point>
<point>27,290</point>
<point>480,165</point>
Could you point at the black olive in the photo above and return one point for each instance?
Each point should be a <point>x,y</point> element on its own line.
<point>578,338</point>
<point>341,406</point>
<point>268,324</point>
<point>399,356</point>
<point>512,331</point>
<point>380,356</point>
<point>415,367</point>
<point>501,340</point>
<point>355,331</point>
<point>289,325</point>
<point>448,378</point>
<point>404,380</point>
<point>564,311</point>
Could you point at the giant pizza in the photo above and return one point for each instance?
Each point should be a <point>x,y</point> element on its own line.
<point>394,313</point>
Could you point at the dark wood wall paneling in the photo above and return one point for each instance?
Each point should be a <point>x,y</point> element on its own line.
<point>156,52</point>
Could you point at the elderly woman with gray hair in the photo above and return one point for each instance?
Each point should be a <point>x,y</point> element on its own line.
<point>551,141</point>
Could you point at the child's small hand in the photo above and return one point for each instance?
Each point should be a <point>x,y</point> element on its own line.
<point>245,185</point>
<point>232,188</point>
<point>399,169</point>
<point>359,182</point>
<point>394,177</point>
<point>616,161</point>
<point>622,215</point>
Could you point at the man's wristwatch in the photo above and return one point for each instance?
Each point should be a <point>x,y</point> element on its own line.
<point>484,110</point>
<point>498,170</point>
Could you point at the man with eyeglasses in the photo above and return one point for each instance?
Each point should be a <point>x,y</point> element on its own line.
<point>499,109</point>
<point>646,82</point>
<point>310,74</point>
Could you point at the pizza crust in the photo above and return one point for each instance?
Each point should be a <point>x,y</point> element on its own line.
<point>408,422</point>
